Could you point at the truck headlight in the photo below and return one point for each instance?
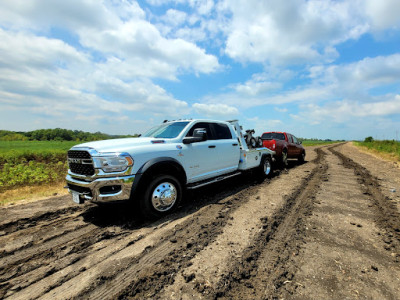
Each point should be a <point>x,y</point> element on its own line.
<point>115,163</point>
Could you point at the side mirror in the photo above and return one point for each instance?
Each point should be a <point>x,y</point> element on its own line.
<point>199,135</point>
<point>300,142</point>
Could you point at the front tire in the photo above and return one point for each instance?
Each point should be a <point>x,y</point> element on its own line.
<point>161,196</point>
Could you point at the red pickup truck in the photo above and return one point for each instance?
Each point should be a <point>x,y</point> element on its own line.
<point>285,145</point>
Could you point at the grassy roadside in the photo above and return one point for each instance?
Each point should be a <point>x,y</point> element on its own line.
<point>385,149</point>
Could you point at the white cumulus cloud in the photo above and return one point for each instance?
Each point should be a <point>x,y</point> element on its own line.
<point>215,110</point>
<point>293,31</point>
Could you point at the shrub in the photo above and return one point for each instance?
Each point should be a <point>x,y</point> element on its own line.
<point>369,139</point>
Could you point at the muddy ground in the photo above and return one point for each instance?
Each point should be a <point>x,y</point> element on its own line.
<point>325,229</point>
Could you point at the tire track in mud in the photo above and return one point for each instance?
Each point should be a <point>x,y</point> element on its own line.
<point>387,215</point>
<point>47,248</point>
<point>37,220</point>
<point>15,264</point>
<point>266,264</point>
<point>24,238</point>
<point>343,256</point>
<point>72,266</point>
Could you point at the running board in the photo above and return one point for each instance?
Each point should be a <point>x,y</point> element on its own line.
<point>213,180</point>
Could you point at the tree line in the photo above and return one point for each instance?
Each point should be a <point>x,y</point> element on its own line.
<point>56,134</point>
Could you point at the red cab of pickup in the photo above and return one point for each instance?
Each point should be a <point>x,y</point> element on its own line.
<point>285,145</point>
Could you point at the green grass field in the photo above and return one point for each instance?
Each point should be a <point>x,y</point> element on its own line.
<point>389,147</point>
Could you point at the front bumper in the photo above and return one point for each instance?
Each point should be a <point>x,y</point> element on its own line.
<point>102,189</point>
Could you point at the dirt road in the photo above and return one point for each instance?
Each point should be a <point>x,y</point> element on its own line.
<point>325,229</point>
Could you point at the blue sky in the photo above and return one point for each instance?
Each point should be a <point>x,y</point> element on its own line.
<point>318,69</point>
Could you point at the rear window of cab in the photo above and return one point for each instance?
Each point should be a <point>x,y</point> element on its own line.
<point>273,136</point>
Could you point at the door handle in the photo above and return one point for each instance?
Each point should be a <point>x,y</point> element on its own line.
<point>211,146</point>
<point>234,144</point>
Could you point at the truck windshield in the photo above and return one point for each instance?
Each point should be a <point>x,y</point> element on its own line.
<point>166,131</point>
<point>273,136</point>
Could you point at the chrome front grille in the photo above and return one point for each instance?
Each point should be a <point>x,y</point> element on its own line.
<point>80,162</point>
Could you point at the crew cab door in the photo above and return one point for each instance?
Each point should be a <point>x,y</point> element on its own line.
<point>198,156</point>
<point>228,149</point>
<point>218,155</point>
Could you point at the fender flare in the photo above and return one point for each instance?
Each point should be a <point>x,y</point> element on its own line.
<point>157,162</point>
<point>161,160</point>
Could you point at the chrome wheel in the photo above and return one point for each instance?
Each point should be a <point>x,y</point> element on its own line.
<point>164,196</point>
<point>267,167</point>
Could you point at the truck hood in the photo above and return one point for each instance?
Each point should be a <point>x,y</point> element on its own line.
<point>118,145</point>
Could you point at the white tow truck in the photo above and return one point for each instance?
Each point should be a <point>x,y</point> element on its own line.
<point>155,168</point>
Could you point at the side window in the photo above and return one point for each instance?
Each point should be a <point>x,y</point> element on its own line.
<point>204,125</point>
<point>289,137</point>
<point>295,139</point>
<point>222,131</point>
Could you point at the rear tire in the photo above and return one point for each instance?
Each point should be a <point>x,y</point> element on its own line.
<point>161,196</point>
<point>265,168</point>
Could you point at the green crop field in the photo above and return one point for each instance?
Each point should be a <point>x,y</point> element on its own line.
<point>25,163</point>
<point>390,147</point>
